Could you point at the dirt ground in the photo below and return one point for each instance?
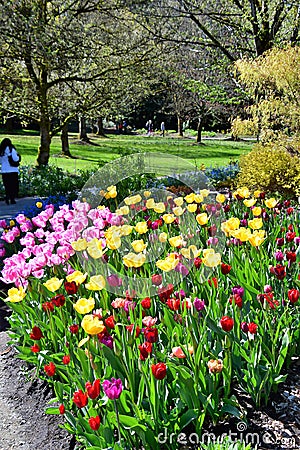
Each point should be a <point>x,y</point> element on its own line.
<point>25,426</point>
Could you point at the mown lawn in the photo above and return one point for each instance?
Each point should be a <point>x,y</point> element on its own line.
<point>213,152</point>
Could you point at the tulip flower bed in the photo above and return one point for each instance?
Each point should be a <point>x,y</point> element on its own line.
<point>144,319</point>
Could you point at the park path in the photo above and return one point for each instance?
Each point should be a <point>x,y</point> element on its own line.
<point>10,211</point>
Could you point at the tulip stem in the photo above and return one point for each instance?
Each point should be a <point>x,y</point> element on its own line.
<point>118,421</point>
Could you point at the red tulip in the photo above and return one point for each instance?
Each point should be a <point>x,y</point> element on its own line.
<point>291,256</point>
<point>197,262</point>
<point>237,300</point>
<point>278,271</point>
<point>71,287</point>
<point>58,300</point>
<point>93,390</point>
<point>151,334</point>
<point>80,398</point>
<point>293,295</point>
<point>110,322</point>
<point>156,280</point>
<point>36,334</point>
<point>35,348</point>
<point>226,323</point>
<point>61,409</point>
<point>94,422</point>
<point>130,329</point>
<point>146,303</point>
<point>159,370</point>
<point>66,359</point>
<point>252,328</point>
<point>50,369</point>
<point>145,350</point>
<point>214,280</point>
<point>173,303</point>
<point>225,268</point>
<point>74,328</point>
<point>48,306</point>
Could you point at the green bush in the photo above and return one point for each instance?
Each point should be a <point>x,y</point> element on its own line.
<point>274,167</point>
<point>50,181</point>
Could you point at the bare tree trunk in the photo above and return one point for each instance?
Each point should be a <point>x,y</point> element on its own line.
<point>199,131</point>
<point>100,130</point>
<point>64,137</point>
<point>82,130</point>
<point>179,126</point>
<point>45,141</point>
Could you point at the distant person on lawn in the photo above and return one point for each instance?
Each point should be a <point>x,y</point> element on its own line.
<point>162,128</point>
<point>9,159</point>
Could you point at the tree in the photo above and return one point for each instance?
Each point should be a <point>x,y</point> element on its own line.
<point>49,47</point>
<point>274,81</point>
<point>233,27</point>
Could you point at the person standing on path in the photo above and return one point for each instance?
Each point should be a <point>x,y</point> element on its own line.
<point>9,159</point>
<point>162,129</point>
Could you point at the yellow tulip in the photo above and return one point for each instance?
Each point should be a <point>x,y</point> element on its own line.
<point>231,224</point>
<point>159,208</point>
<point>53,284</point>
<point>79,245</point>
<point>15,295</point>
<point>178,211</point>
<point>39,204</point>
<point>176,241</point>
<point>96,283</point>
<point>243,234</point>
<point>114,241</point>
<point>112,191</point>
<point>94,248</point>
<point>211,259</point>
<point>256,240</point>
<point>147,194</point>
<point>250,202</point>
<point>178,201</point>
<point>76,276</point>
<point>192,207</point>
<point>190,198</point>
<point>84,305</point>
<point>167,264</point>
<point>256,211</point>
<point>202,218</point>
<point>271,202</point>
<point>242,192</point>
<point>199,197</point>
<point>150,203</point>
<point>168,218</point>
<point>220,198</point>
<point>255,224</point>
<point>163,237</point>
<point>141,227</point>
<point>190,252</point>
<point>123,211</point>
<point>139,245</point>
<point>257,194</point>
<point>125,230</point>
<point>134,260</point>
<point>133,200</point>
<point>92,325</point>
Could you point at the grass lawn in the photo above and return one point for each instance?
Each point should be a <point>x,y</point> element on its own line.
<point>213,152</point>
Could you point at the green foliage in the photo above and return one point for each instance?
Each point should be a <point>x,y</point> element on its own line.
<point>272,168</point>
<point>50,181</point>
<point>274,81</point>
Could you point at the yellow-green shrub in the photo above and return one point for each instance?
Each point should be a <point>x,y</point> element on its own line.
<point>273,167</point>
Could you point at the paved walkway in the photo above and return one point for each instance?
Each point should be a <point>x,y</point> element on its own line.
<point>10,211</point>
